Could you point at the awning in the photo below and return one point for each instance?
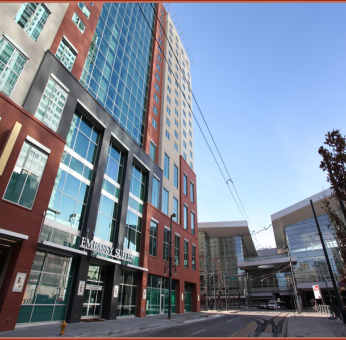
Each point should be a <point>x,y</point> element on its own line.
<point>57,248</point>
<point>12,236</point>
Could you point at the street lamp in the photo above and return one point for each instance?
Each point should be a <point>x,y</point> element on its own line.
<point>170,259</point>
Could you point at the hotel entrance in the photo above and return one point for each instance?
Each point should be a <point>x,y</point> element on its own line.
<point>93,292</point>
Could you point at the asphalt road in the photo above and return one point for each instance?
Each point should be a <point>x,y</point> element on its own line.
<point>222,326</point>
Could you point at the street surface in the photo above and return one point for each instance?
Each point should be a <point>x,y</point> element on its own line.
<point>259,323</point>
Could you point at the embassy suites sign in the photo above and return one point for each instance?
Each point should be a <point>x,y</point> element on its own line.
<point>103,249</point>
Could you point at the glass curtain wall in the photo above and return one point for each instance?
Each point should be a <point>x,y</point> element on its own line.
<point>47,291</point>
<point>127,293</point>
<point>116,71</point>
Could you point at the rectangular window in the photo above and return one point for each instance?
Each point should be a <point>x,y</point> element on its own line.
<point>176,134</point>
<point>169,79</point>
<point>184,113</point>
<point>185,185</point>
<point>184,155</point>
<point>176,67</point>
<point>175,209</point>
<point>192,191</point>
<point>157,87</point>
<point>167,135</point>
<point>32,17</point>
<point>176,176</point>
<point>184,144</point>
<point>168,110</point>
<point>176,112</point>
<point>153,238</point>
<point>184,104</point>
<point>186,254</point>
<point>79,23</point>
<point>152,152</point>
<point>184,123</point>
<point>190,133</point>
<point>176,123</point>
<point>166,245</point>
<point>156,98</point>
<point>176,102</point>
<point>157,76</point>
<point>51,105</point>
<point>190,153</point>
<point>158,67</point>
<point>159,58</point>
<point>12,63</point>
<point>169,89</point>
<point>155,193</point>
<point>66,54</point>
<point>191,165</point>
<point>192,223</point>
<point>155,110</point>
<point>26,176</point>
<point>193,257</point>
<point>165,202</point>
<point>176,92</point>
<point>168,122</point>
<point>176,146</point>
<point>185,217</point>
<point>190,143</point>
<point>154,123</point>
<point>84,9</point>
<point>184,133</point>
<point>177,249</point>
<point>168,99</point>
<point>166,166</point>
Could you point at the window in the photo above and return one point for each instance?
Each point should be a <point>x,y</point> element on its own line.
<point>84,9</point>
<point>176,146</point>
<point>166,166</point>
<point>167,135</point>
<point>184,104</point>
<point>190,133</point>
<point>184,133</point>
<point>166,244</point>
<point>155,193</point>
<point>192,192</point>
<point>176,134</point>
<point>168,122</point>
<point>132,239</point>
<point>191,165</point>
<point>169,71</point>
<point>176,84</point>
<point>185,217</point>
<point>184,123</point>
<point>168,110</point>
<point>79,23</point>
<point>157,87</point>
<point>155,110</point>
<point>152,151</point>
<point>177,249</point>
<point>184,155</point>
<point>158,67</point>
<point>190,153</point>
<point>157,76</point>
<point>186,254</point>
<point>154,123</point>
<point>170,53</point>
<point>176,66</point>
<point>193,257</point>
<point>176,102</point>
<point>190,143</point>
<point>184,144</point>
<point>192,223</point>
<point>32,17</point>
<point>183,63</point>
<point>12,63</point>
<point>176,123</point>
<point>176,112</point>
<point>156,98</point>
<point>160,41</point>
<point>158,57</point>
<point>190,123</point>
<point>176,75</point>
<point>51,105</point>
<point>176,176</point>
<point>184,87</point>
<point>66,54</point>
<point>165,202</point>
<point>190,114</point>
<point>168,99</point>
<point>185,185</point>
<point>169,62</point>
<point>175,209</point>
<point>26,176</point>
<point>169,79</point>
<point>153,238</point>
<point>169,89</point>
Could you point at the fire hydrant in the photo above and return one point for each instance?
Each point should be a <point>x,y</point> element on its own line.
<point>63,326</point>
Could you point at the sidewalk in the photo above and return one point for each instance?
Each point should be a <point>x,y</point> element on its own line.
<point>107,328</point>
<point>312,324</point>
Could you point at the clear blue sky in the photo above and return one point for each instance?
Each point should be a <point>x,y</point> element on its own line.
<point>271,82</point>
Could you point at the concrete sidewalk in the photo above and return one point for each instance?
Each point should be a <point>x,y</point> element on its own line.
<point>312,324</point>
<point>107,328</point>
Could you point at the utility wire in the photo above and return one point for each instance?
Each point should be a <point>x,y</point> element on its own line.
<point>229,176</point>
<point>191,92</point>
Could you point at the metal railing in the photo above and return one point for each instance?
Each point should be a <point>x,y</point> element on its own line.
<point>326,309</point>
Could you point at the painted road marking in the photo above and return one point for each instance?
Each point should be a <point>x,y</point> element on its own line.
<point>198,332</point>
<point>229,320</point>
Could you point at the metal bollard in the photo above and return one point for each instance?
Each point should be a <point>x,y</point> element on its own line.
<point>63,326</point>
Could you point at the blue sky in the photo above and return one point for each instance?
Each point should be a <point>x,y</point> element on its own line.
<point>270,80</point>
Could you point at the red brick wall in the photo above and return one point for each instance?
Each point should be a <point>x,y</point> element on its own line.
<point>16,218</point>
<point>150,132</point>
<point>81,41</point>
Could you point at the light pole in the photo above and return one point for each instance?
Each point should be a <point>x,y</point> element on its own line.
<point>294,282</point>
<point>170,269</point>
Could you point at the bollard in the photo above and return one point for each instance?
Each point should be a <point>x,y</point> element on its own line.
<point>63,326</point>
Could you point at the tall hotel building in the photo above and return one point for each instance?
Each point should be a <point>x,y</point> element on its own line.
<point>96,141</point>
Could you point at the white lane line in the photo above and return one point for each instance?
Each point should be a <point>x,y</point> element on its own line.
<point>230,320</point>
<point>198,332</point>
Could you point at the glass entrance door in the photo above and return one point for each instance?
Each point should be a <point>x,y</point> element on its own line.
<point>162,303</point>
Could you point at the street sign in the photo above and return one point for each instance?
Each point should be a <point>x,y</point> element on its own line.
<point>317,292</point>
